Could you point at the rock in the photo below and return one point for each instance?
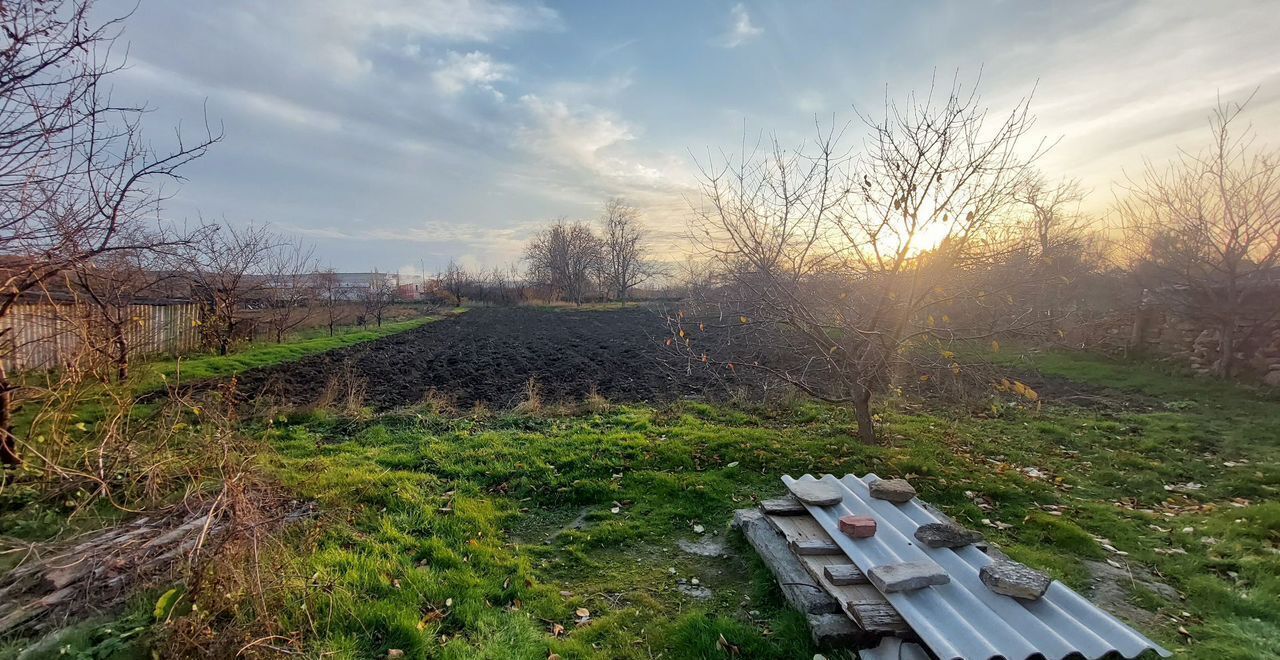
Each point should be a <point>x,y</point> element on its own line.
<point>1272,378</point>
<point>695,591</point>
<point>816,493</point>
<point>395,653</point>
<point>1009,578</point>
<point>707,547</point>
<point>892,490</point>
<point>907,576</point>
<point>946,535</point>
<point>859,527</point>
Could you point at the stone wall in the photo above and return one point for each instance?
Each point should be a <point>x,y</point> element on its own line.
<point>1185,342</point>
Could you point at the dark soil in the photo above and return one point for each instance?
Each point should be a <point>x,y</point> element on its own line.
<point>490,354</point>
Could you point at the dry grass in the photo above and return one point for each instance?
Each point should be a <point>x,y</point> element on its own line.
<point>531,402</point>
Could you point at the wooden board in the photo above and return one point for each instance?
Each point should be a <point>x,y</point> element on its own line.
<point>805,535</point>
<point>798,586</point>
<point>862,602</point>
<point>784,506</point>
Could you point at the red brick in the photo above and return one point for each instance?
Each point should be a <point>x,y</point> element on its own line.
<point>859,527</point>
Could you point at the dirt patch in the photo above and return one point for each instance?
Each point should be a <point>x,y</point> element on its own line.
<point>1112,587</point>
<point>490,354</point>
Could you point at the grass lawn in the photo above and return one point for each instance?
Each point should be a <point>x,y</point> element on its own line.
<point>461,535</point>
<point>483,536</point>
<point>201,367</point>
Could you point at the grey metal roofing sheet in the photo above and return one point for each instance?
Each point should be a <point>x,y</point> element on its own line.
<point>965,619</point>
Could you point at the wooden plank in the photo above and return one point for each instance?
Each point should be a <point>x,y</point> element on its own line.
<point>784,506</point>
<point>862,602</point>
<point>843,575</point>
<point>805,535</point>
<point>810,548</point>
<point>800,589</point>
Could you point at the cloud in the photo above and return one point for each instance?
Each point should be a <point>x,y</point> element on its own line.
<point>576,137</point>
<point>458,71</point>
<point>741,30</point>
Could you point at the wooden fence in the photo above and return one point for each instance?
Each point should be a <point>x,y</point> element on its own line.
<point>48,335</point>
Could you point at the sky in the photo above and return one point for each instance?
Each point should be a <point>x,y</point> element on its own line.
<point>398,134</point>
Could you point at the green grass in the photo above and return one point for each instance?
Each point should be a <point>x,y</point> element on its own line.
<point>516,482</point>
<point>461,536</point>
<point>203,367</point>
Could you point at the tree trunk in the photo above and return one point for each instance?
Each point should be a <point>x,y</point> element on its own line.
<point>9,457</point>
<point>122,356</point>
<point>1138,337</point>
<point>862,411</point>
<point>1227,350</point>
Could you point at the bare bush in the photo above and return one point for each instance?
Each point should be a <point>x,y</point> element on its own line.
<point>378,297</point>
<point>456,281</point>
<point>227,274</point>
<point>291,287</point>
<point>331,297</point>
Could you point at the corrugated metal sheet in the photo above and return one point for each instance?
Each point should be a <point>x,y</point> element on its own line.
<point>965,619</point>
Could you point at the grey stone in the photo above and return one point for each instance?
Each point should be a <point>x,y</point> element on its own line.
<point>892,490</point>
<point>707,547</point>
<point>816,493</point>
<point>1272,378</point>
<point>1009,578</point>
<point>695,591</point>
<point>907,576</point>
<point>946,535</point>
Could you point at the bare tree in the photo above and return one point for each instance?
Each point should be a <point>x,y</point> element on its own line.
<point>227,272</point>
<point>378,296</point>
<point>626,261</point>
<point>108,287</point>
<point>75,172</point>
<point>837,273</point>
<point>1205,230</point>
<point>564,258</point>
<point>331,295</point>
<point>456,281</point>
<point>291,287</point>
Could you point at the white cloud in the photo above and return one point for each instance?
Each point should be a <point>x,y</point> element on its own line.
<point>458,71</point>
<point>741,30</point>
<point>573,137</point>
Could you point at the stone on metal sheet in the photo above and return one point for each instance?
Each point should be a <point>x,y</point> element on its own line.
<point>844,574</point>
<point>946,535</point>
<point>783,506</point>
<point>816,493</point>
<point>907,576</point>
<point>1010,578</point>
<point>859,527</point>
<point>893,490</point>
